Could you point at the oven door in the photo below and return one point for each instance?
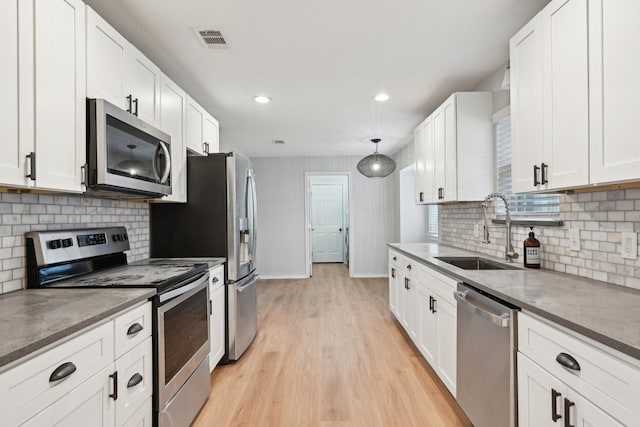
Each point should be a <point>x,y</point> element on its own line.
<point>125,153</point>
<point>183,335</point>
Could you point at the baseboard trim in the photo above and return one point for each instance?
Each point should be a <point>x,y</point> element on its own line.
<point>370,276</point>
<point>281,277</point>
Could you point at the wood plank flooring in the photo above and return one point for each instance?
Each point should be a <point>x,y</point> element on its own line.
<point>328,353</point>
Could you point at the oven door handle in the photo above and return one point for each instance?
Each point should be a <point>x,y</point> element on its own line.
<point>204,278</point>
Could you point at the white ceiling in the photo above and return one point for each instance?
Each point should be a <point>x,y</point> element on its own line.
<point>322,63</point>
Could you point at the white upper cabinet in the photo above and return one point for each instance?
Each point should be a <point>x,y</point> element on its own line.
<point>455,150</point>
<point>120,73</point>
<point>43,102</point>
<point>202,129</point>
<point>173,121</point>
<point>573,90</point>
<point>550,103</point>
<point>614,67</point>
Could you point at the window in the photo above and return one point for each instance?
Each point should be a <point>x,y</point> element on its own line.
<point>539,205</point>
<point>432,219</point>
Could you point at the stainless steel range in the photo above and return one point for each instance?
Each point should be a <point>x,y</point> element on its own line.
<point>95,257</point>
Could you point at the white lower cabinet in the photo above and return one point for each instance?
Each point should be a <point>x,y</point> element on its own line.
<point>565,380</point>
<point>82,381</point>
<point>143,417</point>
<point>426,309</point>
<point>216,316</point>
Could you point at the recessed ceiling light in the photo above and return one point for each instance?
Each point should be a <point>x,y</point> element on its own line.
<point>262,99</point>
<point>381,97</point>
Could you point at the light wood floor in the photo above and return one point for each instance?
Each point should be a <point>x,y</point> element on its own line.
<point>328,353</point>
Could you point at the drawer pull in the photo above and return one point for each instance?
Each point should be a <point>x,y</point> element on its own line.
<point>395,258</point>
<point>62,372</point>
<point>567,413</point>
<point>134,329</point>
<point>134,380</point>
<point>568,361</point>
<point>215,279</point>
<point>393,273</point>
<point>554,405</point>
<point>409,267</point>
<point>114,377</point>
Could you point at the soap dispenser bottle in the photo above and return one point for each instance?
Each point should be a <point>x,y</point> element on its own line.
<point>532,251</point>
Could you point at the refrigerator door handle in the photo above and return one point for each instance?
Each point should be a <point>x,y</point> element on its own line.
<point>255,215</point>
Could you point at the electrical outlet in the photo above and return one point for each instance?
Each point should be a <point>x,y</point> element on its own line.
<point>574,239</point>
<point>476,231</point>
<point>629,245</point>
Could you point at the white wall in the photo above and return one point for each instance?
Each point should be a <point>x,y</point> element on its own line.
<point>281,219</point>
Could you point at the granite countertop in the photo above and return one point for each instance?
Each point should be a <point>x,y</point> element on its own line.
<point>34,318</point>
<point>604,312</point>
<point>212,262</point>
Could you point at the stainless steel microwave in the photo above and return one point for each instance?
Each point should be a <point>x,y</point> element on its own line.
<point>126,157</point>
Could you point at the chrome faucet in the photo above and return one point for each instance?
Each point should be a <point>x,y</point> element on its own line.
<point>509,253</point>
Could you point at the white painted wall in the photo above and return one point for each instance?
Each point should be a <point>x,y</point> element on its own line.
<point>413,218</point>
<point>281,219</point>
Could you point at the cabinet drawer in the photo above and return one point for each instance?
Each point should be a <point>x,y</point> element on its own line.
<point>131,328</point>
<point>605,380</point>
<point>216,278</point>
<point>443,285</point>
<point>135,380</point>
<point>27,389</point>
<point>395,259</point>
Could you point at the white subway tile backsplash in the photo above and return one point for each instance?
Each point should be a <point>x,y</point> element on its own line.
<point>601,216</point>
<point>21,213</point>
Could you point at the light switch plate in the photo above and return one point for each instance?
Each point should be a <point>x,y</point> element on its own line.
<point>574,239</point>
<point>629,245</point>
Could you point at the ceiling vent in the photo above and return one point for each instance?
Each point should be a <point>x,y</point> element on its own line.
<point>212,39</point>
<point>278,141</point>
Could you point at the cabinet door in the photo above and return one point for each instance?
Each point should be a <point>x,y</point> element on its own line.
<point>105,61</point>
<point>538,391</point>
<point>421,156</point>
<point>427,326</point>
<point>88,404</point>
<point>60,87</point>
<point>526,105</point>
<point>412,310</point>
<point>439,153</point>
<point>143,417</point>
<point>135,380</point>
<point>583,413</point>
<point>403,299</point>
<point>393,278</point>
<point>446,347</point>
<point>173,121</point>
<point>566,94</point>
<point>195,126</point>
<point>211,136</point>
<point>216,327</point>
<point>14,145</point>
<point>450,183</point>
<point>614,67</point>
<point>142,81</point>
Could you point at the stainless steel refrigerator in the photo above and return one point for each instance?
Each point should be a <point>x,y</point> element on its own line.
<point>218,220</point>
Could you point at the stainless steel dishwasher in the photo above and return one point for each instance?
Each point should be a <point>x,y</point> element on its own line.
<point>486,371</point>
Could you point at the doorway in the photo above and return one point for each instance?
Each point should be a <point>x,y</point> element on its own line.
<point>327,219</point>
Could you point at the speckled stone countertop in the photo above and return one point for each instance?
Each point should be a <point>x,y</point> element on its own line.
<point>211,261</point>
<point>604,312</point>
<point>34,318</point>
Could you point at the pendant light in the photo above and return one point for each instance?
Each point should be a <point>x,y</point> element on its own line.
<point>132,166</point>
<point>376,165</point>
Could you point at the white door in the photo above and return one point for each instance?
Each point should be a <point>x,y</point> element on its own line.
<point>173,111</point>
<point>540,396</point>
<point>60,88</point>
<point>583,413</point>
<point>566,95</point>
<point>614,67</point>
<point>526,106</point>
<point>327,217</point>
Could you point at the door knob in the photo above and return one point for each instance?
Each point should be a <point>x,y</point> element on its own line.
<point>340,230</point>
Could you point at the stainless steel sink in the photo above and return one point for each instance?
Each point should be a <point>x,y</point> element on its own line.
<point>475,263</point>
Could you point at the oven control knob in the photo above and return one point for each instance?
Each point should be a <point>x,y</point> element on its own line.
<point>54,244</point>
<point>116,237</point>
<point>67,242</point>
<point>124,236</point>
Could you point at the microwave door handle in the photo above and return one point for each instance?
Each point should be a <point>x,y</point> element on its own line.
<point>167,169</point>
<point>154,162</point>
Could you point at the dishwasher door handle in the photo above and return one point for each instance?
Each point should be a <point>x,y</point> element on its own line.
<point>496,319</point>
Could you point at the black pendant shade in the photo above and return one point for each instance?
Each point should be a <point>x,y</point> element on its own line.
<point>376,165</point>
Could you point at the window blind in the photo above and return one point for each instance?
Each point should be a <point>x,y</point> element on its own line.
<point>432,220</point>
<point>519,204</point>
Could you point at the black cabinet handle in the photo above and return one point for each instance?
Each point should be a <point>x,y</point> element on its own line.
<point>554,405</point>
<point>134,380</point>
<point>568,361</point>
<point>62,372</point>
<point>409,267</point>
<point>406,283</point>
<point>421,196</point>
<point>393,273</point>
<point>544,173</point>
<point>32,166</point>
<point>114,377</point>
<point>567,412</point>
<point>215,279</point>
<point>430,303</point>
<point>433,306</point>
<point>536,169</point>
<point>205,148</point>
<point>210,308</point>
<point>129,100</point>
<point>134,329</point>
<point>441,193</point>
<point>135,102</point>
<point>395,258</point>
